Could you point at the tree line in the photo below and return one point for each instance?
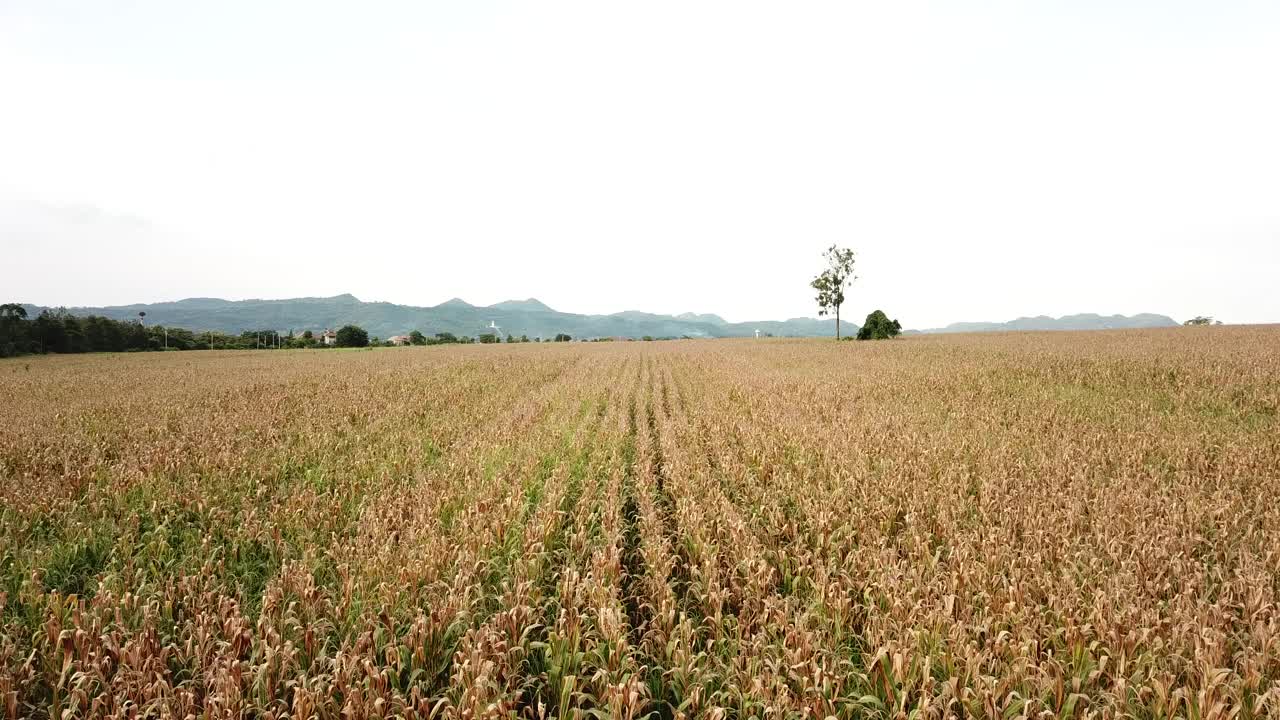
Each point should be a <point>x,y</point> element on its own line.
<point>58,331</point>
<point>356,336</point>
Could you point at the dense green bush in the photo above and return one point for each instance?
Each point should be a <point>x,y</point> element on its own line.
<point>352,336</point>
<point>878,326</point>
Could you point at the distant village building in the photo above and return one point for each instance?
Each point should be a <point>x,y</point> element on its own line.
<point>329,337</point>
<point>398,339</point>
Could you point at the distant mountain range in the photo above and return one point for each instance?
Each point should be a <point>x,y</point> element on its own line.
<point>1084,321</point>
<point>518,317</point>
<point>524,317</point>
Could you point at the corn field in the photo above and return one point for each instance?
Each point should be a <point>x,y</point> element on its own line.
<point>1062,525</point>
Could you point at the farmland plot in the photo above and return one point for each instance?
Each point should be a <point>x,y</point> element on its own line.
<point>1033,525</point>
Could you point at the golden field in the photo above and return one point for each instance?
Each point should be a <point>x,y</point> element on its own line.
<point>974,526</point>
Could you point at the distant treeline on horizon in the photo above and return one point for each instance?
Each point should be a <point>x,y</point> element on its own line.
<point>59,331</point>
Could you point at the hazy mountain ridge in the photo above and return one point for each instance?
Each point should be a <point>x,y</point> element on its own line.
<point>1081,321</point>
<point>519,317</point>
<point>527,317</point>
<point>528,305</point>
<point>703,317</point>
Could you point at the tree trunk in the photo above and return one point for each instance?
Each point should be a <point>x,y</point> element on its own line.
<point>837,322</point>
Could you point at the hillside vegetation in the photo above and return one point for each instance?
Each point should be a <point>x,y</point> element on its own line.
<point>520,317</point>
<point>1031,525</point>
<point>1083,321</point>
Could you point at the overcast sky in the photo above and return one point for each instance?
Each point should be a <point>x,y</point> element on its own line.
<point>985,159</point>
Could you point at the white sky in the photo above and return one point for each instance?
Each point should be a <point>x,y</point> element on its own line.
<point>985,159</point>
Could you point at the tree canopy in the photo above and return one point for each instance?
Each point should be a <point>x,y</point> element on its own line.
<point>1202,320</point>
<point>352,336</point>
<point>830,283</point>
<point>878,326</point>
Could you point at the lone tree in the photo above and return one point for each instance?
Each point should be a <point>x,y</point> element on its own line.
<point>417,338</point>
<point>879,327</point>
<point>1202,320</point>
<point>352,336</point>
<point>832,282</point>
